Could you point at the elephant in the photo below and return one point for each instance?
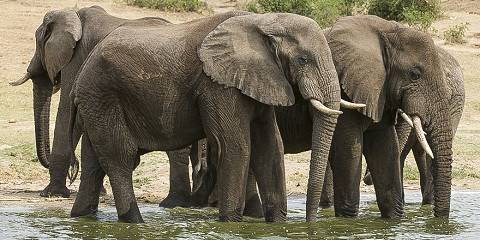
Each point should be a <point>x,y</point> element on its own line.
<point>453,77</point>
<point>225,75</point>
<point>387,67</point>
<point>63,42</point>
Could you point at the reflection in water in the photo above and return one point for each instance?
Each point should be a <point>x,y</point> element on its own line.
<point>23,222</point>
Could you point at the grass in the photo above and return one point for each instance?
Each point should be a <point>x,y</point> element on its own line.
<point>170,5</point>
<point>456,34</point>
<point>410,172</point>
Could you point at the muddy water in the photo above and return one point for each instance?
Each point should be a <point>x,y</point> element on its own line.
<point>32,222</point>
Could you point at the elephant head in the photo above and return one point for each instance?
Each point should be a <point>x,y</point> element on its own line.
<point>266,56</point>
<point>56,39</point>
<point>388,66</point>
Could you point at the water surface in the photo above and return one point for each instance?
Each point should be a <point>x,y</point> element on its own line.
<point>180,223</point>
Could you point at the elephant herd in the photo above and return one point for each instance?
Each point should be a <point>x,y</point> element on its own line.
<point>235,91</point>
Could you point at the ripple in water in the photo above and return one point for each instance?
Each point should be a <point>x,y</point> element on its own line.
<point>180,223</point>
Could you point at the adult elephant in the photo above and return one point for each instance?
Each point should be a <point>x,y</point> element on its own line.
<point>63,42</point>
<point>164,87</point>
<point>453,77</point>
<point>387,66</point>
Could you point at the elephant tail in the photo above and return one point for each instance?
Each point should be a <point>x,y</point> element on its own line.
<point>74,137</point>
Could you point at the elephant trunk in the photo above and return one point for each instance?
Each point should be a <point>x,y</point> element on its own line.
<point>440,135</point>
<point>322,132</point>
<point>41,107</point>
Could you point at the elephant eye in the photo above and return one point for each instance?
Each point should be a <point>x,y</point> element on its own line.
<point>302,60</point>
<point>415,74</point>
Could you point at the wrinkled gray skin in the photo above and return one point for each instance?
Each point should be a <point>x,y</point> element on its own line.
<point>387,66</point>
<point>63,42</point>
<point>407,139</point>
<point>376,61</point>
<point>163,87</point>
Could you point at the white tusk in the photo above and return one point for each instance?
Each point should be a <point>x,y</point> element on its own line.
<point>417,123</point>
<point>21,80</point>
<point>407,118</point>
<point>323,109</point>
<point>350,105</point>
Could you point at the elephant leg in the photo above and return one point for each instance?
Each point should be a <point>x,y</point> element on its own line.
<point>122,188</point>
<point>118,156</point>
<point>424,169</point>
<point>253,205</point>
<point>119,169</point>
<point>232,175</point>
<point>326,199</point>
<point>268,166</point>
<point>382,155</point>
<point>60,156</point>
<point>91,182</point>
<point>179,194</point>
<point>234,150</point>
<point>346,163</point>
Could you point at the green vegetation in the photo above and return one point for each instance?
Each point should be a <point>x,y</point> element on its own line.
<point>410,172</point>
<point>170,5</point>
<point>324,12</point>
<point>417,13</point>
<point>456,34</point>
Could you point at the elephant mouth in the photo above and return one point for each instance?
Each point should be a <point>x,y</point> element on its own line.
<point>416,123</point>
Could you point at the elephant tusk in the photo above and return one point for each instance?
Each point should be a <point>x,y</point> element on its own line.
<point>349,105</point>
<point>323,109</point>
<point>417,123</point>
<point>21,80</point>
<point>407,118</point>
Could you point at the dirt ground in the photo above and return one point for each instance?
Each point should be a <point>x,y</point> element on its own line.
<point>21,177</point>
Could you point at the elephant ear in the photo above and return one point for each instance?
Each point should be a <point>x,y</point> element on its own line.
<point>241,52</point>
<point>62,31</point>
<point>359,50</point>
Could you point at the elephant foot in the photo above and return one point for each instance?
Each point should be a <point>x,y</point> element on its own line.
<point>275,215</point>
<point>233,217</point>
<point>175,200</point>
<point>83,211</point>
<point>395,213</point>
<point>132,216</point>
<point>55,190</point>
<point>345,212</point>
<point>325,203</point>
<point>427,200</point>
<point>367,179</point>
<point>253,207</point>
